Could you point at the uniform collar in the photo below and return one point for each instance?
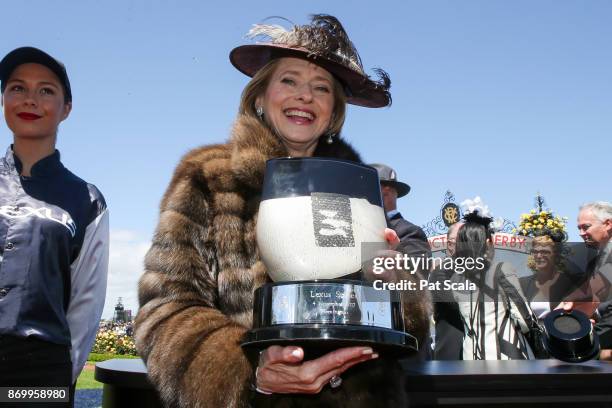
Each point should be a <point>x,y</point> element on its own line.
<point>44,167</point>
<point>392,213</point>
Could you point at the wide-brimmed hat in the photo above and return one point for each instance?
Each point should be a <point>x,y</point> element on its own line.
<point>26,55</point>
<point>388,176</point>
<point>323,42</point>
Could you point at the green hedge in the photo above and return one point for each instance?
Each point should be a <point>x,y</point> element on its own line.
<point>97,357</point>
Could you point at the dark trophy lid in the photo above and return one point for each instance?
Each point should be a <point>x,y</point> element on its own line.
<point>570,336</point>
<point>295,177</point>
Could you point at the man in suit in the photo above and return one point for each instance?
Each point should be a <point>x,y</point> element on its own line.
<point>595,228</point>
<point>413,240</point>
<point>447,317</point>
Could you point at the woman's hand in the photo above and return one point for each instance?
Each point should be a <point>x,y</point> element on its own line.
<point>282,369</point>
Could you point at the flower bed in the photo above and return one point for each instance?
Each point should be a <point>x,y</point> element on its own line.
<point>110,341</point>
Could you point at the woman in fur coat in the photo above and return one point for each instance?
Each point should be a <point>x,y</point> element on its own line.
<point>196,294</point>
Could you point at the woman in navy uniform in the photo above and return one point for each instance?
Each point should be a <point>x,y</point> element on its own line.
<point>53,233</point>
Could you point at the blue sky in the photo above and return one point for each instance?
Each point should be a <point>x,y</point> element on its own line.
<point>500,99</point>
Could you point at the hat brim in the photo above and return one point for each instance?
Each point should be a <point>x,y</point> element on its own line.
<point>25,55</point>
<point>362,91</point>
<point>402,188</point>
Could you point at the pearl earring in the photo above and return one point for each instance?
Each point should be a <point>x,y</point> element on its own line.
<point>330,138</point>
<point>259,112</point>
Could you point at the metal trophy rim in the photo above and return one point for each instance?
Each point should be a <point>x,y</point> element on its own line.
<point>331,334</point>
<point>326,335</point>
<point>341,281</point>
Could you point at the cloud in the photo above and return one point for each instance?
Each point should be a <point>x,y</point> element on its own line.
<point>127,251</point>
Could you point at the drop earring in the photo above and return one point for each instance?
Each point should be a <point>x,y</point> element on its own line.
<point>259,112</point>
<point>330,138</point>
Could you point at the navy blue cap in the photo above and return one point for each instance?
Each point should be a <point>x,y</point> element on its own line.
<point>388,176</point>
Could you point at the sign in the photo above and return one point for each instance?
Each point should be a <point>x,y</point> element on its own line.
<point>501,240</point>
<point>450,214</point>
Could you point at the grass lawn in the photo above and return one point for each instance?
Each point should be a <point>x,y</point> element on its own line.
<point>86,380</point>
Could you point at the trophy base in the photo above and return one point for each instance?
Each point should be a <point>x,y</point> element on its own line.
<point>319,339</point>
<point>327,314</point>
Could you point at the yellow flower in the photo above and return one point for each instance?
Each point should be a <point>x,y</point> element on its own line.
<point>532,211</point>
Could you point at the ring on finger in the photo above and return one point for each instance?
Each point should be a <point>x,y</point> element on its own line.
<point>335,381</point>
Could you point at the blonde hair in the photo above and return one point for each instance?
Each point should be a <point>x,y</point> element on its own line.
<point>259,83</point>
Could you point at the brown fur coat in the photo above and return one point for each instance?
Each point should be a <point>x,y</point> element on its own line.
<point>196,293</point>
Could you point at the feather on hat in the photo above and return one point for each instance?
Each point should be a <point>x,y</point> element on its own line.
<point>325,42</point>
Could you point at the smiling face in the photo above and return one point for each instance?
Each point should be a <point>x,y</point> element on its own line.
<point>33,102</point>
<point>592,230</point>
<point>298,104</point>
<point>543,256</point>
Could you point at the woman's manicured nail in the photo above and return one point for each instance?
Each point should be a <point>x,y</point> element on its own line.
<point>367,351</point>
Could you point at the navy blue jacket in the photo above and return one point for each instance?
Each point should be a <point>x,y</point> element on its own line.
<point>53,254</point>
<point>413,240</point>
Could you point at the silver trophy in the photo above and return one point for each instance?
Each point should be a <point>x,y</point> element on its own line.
<point>319,221</point>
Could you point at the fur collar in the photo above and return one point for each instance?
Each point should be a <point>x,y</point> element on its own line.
<point>252,144</point>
